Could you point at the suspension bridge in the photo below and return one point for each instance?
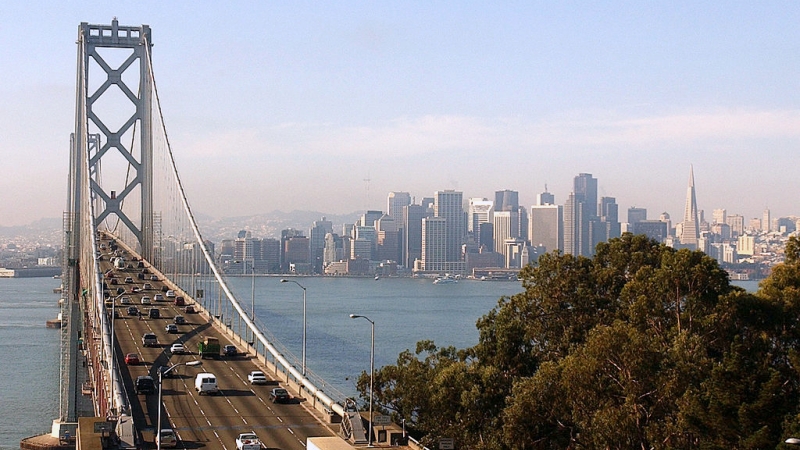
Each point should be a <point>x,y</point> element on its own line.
<point>129,232</point>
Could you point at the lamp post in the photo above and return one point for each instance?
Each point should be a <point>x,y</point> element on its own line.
<point>160,374</point>
<point>284,280</point>
<point>371,371</point>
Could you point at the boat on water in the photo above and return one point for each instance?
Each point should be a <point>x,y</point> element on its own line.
<point>447,279</point>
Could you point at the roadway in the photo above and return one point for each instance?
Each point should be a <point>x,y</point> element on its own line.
<point>200,421</point>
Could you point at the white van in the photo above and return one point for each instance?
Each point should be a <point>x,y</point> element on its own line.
<point>206,383</point>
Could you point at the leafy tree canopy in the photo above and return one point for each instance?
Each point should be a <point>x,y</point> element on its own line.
<point>640,347</point>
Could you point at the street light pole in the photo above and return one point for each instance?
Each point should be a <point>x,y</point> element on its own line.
<point>160,374</point>
<point>284,280</point>
<point>371,371</point>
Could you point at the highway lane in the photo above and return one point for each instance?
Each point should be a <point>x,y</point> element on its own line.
<point>202,421</point>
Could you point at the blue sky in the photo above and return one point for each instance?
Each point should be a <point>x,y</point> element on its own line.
<point>297,103</point>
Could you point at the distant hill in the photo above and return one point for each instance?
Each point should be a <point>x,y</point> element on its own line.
<point>48,231</point>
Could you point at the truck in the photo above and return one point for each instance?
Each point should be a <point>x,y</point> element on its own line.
<point>209,347</point>
<point>248,441</point>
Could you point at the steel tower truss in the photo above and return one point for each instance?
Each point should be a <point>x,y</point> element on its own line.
<point>137,41</point>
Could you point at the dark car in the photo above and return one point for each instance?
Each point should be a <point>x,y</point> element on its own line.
<point>230,351</point>
<point>280,395</point>
<point>133,311</point>
<point>145,385</point>
<point>179,301</point>
<point>171,328</point>
<point>179,320</point>
<point>132,359</point>
<point>154,313</point>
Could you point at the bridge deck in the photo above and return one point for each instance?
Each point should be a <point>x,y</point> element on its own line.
<point>200,421</point>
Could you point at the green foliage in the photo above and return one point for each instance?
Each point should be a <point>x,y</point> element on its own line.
<point>641,346</point>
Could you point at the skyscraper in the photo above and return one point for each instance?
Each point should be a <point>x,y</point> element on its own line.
<point>506,226</point>
<point>394,205</point>
<point>545,198</point>
<point>546,227</point>
<point>766,221</point>
<point>581,225</point>
<point>412,233</point>
<point>480,211</point>
<point>636,214</point>
<point>690,228</point>
<point>448,205</point>
<point>317,234</point>
<point>506,200</point>
<point>434,243</point>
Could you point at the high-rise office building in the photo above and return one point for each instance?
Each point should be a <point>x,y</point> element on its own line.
<point>736,223</point>
<point>434,243</point>
<point>636,215</point>
<point>317,241</point>
<point>690,227</point>
<point>506,226</point>
<point>546,227</point>
<point>582,227</point>
<point>388,248</point>
<point>506,200</point>
<point>608,210</point>
<point>720,216</point>
<point>395,203</point>
<point>545,198</point>
<point>448,205</point>
<point>522,226</point>
<point>480,211</point>
<point>412,233</point>
<point>766,221</point>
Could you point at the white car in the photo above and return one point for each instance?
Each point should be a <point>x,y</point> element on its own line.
<point>146,300</point>
<point>126,301</point>
<point>177,349</point>
<point>257,377</point>
<point>158,297</point>
<point>170,294</point>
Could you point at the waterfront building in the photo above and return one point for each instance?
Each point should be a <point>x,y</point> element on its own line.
<point>448,206</point>
<point>486,236</point>
<point>690,227</point>
<point>546,227</point>
<point>296,254</point>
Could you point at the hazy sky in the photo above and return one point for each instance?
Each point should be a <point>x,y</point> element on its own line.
<point>293,105</point>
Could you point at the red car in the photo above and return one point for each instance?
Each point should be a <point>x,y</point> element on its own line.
<point>132,359</point>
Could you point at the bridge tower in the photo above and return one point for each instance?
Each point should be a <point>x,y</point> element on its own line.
<point>104,94</point>
<point>111,184</point>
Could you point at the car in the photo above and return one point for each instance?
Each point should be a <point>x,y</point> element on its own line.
<point>171,328</point>
<point>229,350</point>
<point>153,277</point>
<point>158,298</point>
<point>154,313</point>
<point>179,301</point>
<point>126,301</point>
<point>135,289</point>
<point>147,287</point>
<point>177,349</point>
<point>149,340</point>
<point>168,438</point>
<point>164,288</point>
<point>189,309</point>
<point>132,359</point>
<point>128,280</point>
<point>133,311</point>
<point>146,300</point>
<point>170,293</point>
<point>120,290</point>
<point>140,276</point>
<point>145,385</point>
<point>179,320</point>
<point>280,395</point>
<point>114,281</point>
<point>257,377</point>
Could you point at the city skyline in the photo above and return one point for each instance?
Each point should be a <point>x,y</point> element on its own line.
<point>329,107</point>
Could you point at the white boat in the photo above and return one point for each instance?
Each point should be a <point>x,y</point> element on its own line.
<point>447,279</point>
